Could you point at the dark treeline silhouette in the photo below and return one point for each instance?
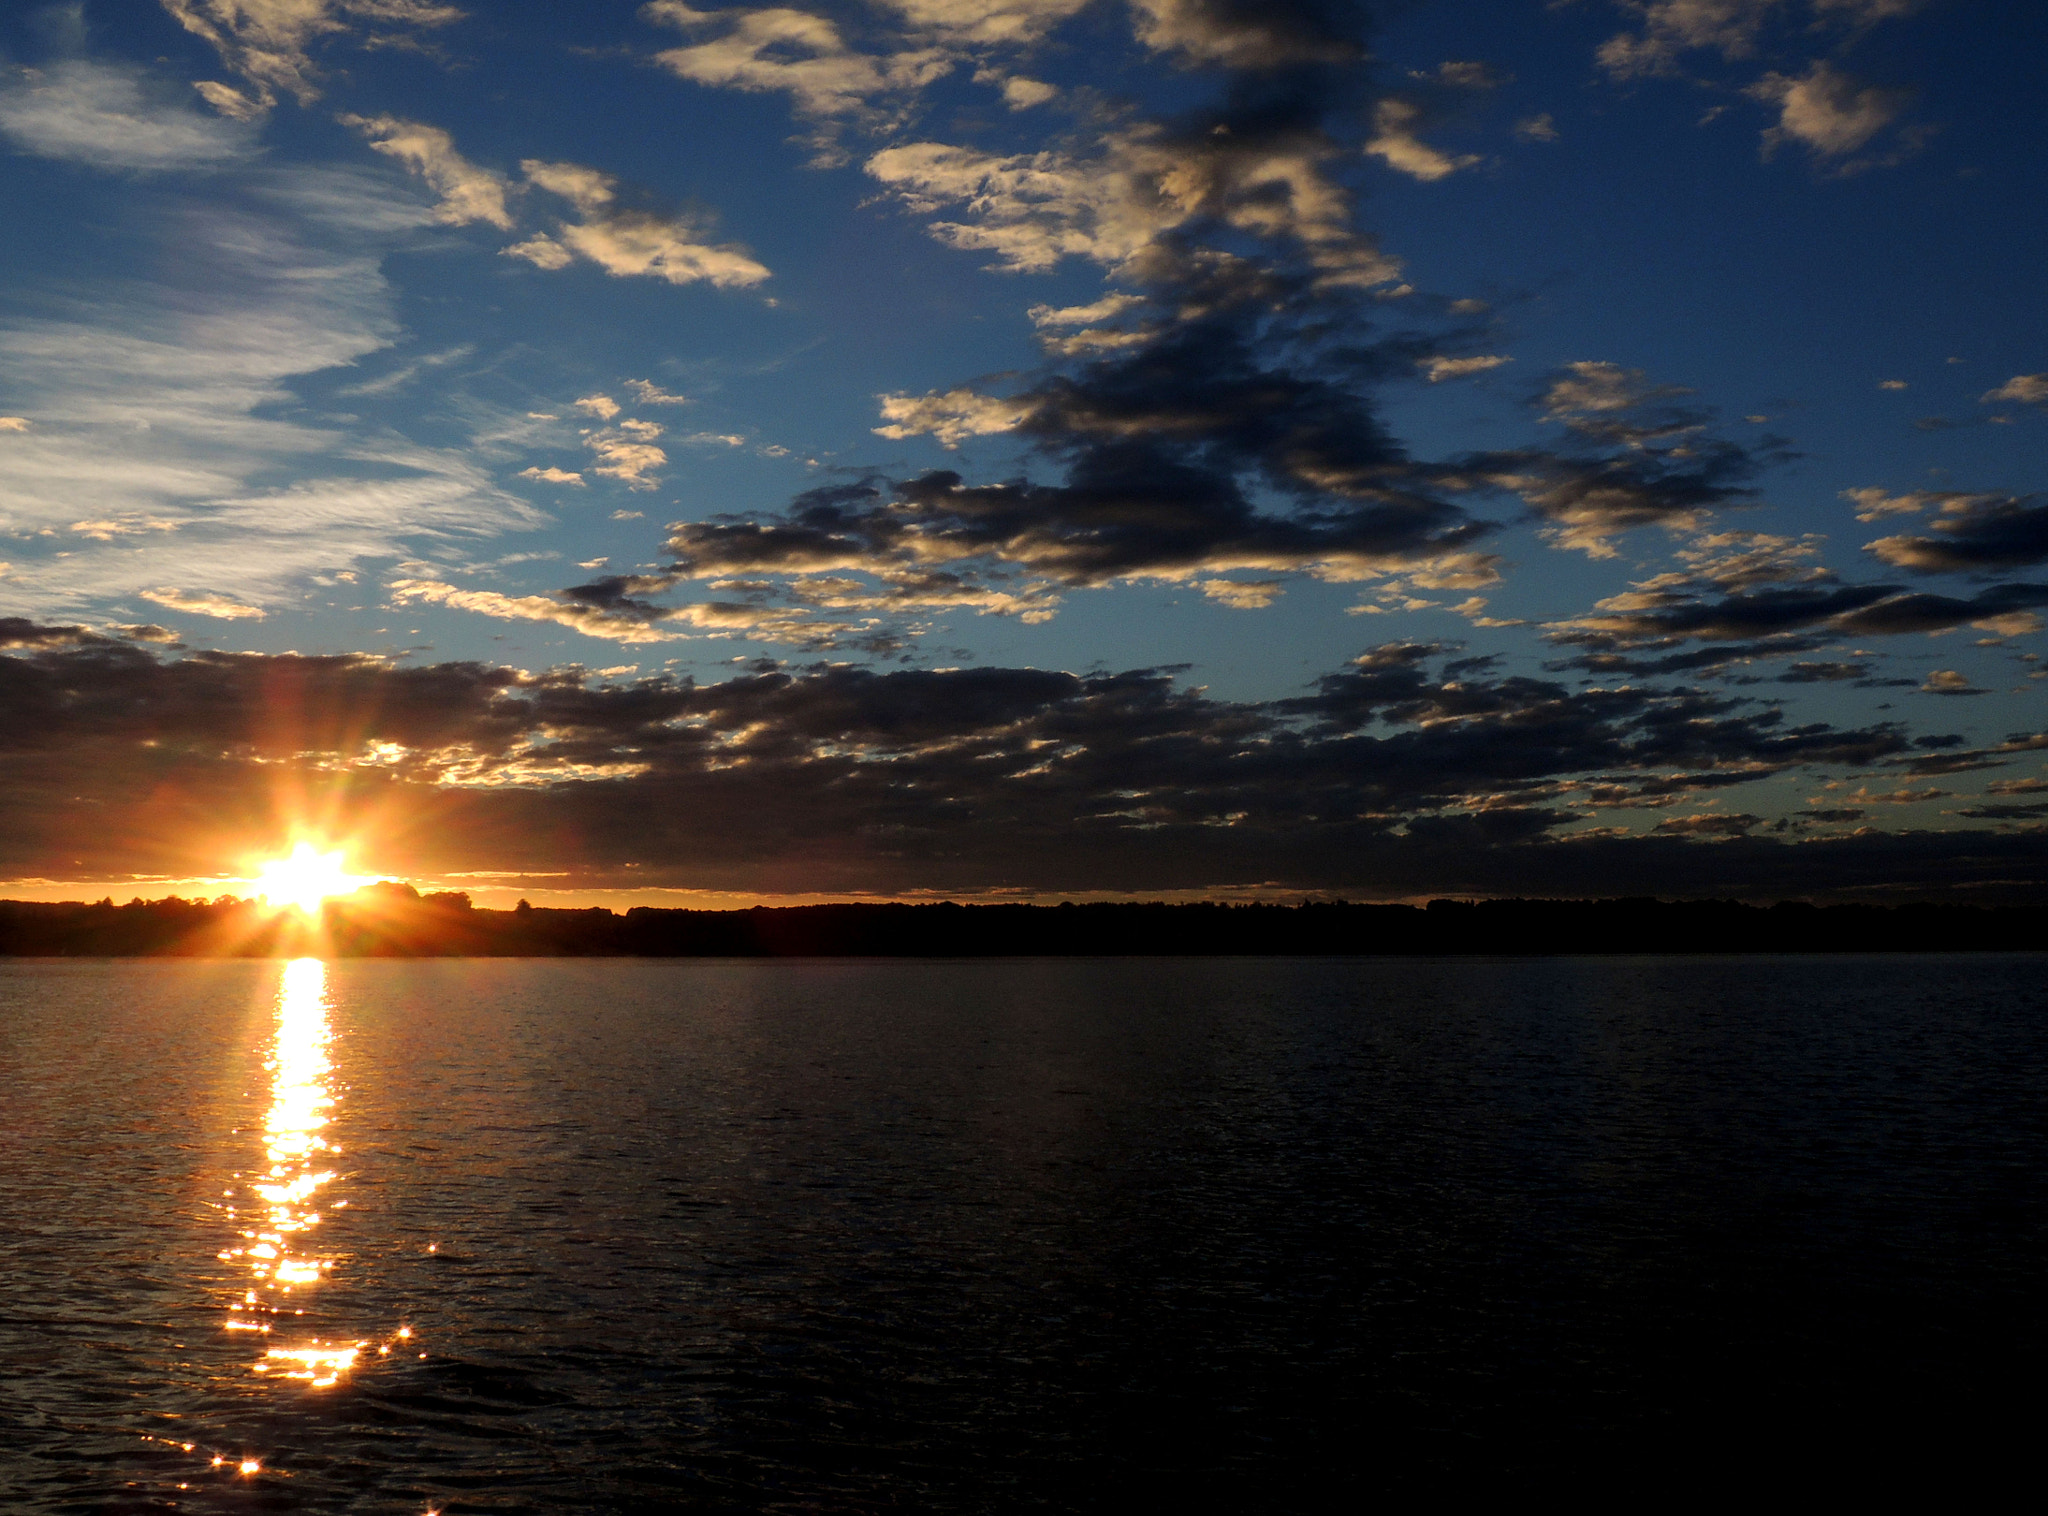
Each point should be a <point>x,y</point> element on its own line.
<point>393,920</point>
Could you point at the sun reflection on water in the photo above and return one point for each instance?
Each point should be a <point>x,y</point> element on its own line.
<point>276,1246</point>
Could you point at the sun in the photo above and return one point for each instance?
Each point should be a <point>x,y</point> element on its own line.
<point>304,879</point>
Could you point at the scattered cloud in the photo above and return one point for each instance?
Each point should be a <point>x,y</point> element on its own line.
<point>1395,144</point>
<point>1243,594</point>
<point>775,49</point>
<point>1974,534</point>
<point>1733,28</point>
<point>624,240</point>
<point>627,453</point>
<point>268,42</point>
<point>951,418</point>
<point>1437,369</point>
<point>1949,682</point>
<point>1830,113</point>
<point>649,393</point>
<point>468,193</point>
<point>202,603</point>
<point>2021,389</point>
<point>592,621</point>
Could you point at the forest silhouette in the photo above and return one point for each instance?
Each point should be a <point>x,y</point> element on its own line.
<point>392,920</point>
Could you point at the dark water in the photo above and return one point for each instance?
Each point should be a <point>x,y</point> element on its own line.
<point>844,1236</point>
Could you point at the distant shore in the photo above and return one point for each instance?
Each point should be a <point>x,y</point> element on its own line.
<point>394,921</point>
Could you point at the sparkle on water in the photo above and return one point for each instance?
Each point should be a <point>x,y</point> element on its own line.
<point>275,1245</point>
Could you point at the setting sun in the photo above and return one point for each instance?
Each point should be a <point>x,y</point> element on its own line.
<point>305,879</point>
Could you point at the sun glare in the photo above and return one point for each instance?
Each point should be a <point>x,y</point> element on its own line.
<point>304,879</point>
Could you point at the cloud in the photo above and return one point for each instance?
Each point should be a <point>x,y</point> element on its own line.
<point>1874,504</point>
<point>1829,112</point>
<point>1398,774</point>
<point>648,393</point>
<point>1437,369</point>
<point>592,621</point>
<point>984,21</point>
<point>2012,624</point>
<point>1022,94</point>
<point>542,251</point>
<point>1974,534</point>
<point>172,400</point>
<point>110,117</point>
<point>1732,28</point>
<point>551,475</point>
<point>1667,617</point>
<point>203,604</point>
<point>1584,394</point>
<point>1588,501</point>
<point>1394,143</point>
<point>2021,389</point>
<point>268,41</point>
<point>951,418</point>
<point>1823,673</point>
<point>14,423</point>
<point>1709,825</point>
<point>1949,682</point>
<point>625,241</point>
<point>1536,128</point>
<point>614,608</point>
<point>1672,27</point>
<point>1137,185</point>
<point>468,193</point>
<point>1241,34</point>
<point>1243,594</point>
<point>778,50</point>
<point>1633,459</point>
<point>627,453</point>
<point>601,406</point>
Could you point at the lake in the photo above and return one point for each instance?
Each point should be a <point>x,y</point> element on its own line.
<point>861,1235</point>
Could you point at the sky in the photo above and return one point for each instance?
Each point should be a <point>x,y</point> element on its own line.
<point>996,449</point>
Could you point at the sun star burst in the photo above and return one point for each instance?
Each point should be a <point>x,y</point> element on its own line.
<point>305,878</point>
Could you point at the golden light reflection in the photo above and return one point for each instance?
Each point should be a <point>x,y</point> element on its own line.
<point>276,1248</point>
<point>305,879</point>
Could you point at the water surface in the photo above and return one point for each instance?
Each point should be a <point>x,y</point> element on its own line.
<point>617,1236</point>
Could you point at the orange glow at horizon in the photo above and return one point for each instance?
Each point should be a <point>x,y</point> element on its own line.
<point>306,878</point>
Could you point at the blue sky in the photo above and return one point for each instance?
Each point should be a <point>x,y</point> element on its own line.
<point>1691,349</point>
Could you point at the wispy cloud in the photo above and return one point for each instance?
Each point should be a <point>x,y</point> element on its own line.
<point>113,117</point>
<point>170,402</point>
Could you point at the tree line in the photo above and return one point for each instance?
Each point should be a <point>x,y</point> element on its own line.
<point>394,920</point>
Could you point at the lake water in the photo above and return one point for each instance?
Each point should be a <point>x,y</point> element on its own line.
<point>626,1236</point>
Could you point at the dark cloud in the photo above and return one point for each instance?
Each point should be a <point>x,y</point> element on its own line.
<point>1975,535</point>
<point>1411,769</point>
<point>1259,380</point>
<point>1842,610</point>
<point>1635,457</point>
<point>1738,825</point>
<point>15,632</point>
<point>1255,34</point>
<point>1823,673</point>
